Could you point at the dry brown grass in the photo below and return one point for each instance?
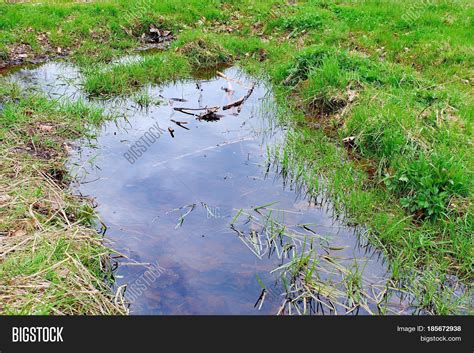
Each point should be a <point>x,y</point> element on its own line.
<point>51,260</point>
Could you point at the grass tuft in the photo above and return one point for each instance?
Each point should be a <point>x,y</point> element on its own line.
<point>205,53</point>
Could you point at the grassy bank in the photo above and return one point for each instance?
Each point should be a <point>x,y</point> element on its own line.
<point>52,261</point>
<point>378,96</point>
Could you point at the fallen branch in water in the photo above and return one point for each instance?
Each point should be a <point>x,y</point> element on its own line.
<point>180,123</point>
<point>233,104</point>
<point>239,101</point>
<point>185,110</point>
<point>209,114</point>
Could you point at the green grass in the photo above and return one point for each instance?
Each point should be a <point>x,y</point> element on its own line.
<point>51,256</point>
<point>203,51</point>
<point>377,94</point>
<point>126,78</point>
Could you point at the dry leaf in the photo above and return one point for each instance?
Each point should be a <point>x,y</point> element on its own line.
<point>5,198</point>
<point>46,128</point>
<point>19,233</point>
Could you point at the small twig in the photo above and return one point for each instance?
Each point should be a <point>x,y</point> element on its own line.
<point>189,110</point>
<point>205,108</point>
<point>180,123</point>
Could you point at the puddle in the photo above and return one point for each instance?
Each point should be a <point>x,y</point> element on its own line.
<point>169,206</point>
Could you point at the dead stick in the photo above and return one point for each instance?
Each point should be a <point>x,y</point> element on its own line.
<point>179,123</point>
<point>234,103</point>
<point>192,109</point>
<point>183,111</point>
<point>239,101</point>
